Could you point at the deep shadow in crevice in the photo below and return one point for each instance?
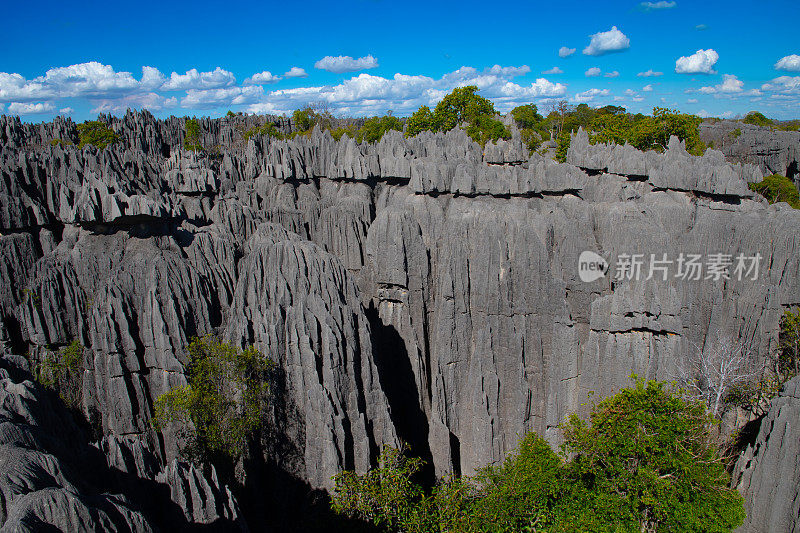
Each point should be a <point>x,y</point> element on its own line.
<point>397,381</point>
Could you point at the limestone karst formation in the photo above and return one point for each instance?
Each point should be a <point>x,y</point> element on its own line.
<point>424,290</point>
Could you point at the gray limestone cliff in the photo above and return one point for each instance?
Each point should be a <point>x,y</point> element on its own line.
<point>424,290</point>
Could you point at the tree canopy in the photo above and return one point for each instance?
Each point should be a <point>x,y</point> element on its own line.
<point>643,461</point>
<point>221,404</point>
<point>96,133</point>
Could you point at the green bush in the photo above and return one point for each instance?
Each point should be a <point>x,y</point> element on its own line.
<point>421,120</point>
<point>305,119</point>
<point>461,106</point>
<point>777,188</point>
<point>350,130</point>
<point>62,372</point>
<point>221,405</point>
<point>645,461</point>
<point>789,358</point>
<point>757,119</point>
<point>96,133</point>
<point>375,127</point>
<point>192,139</point>
<point>269,129</point>
<point>527,116</point>
<point>735,134</point>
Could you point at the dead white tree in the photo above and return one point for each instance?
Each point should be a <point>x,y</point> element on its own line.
<point>712,372</point>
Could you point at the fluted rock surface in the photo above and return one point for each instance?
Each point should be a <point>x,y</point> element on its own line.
<point>767,473</point>
<point>775,152</point>
<point>422,289</point>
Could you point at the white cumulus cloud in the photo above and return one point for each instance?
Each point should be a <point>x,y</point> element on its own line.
<point>653,6</point>
<point>650,73</point>
<point>588,96</point>
<point>554,70</point>
<point>296,72</point>
<point>199,80</point>
<point>613,74</point>
<point>223,97</point>
<point>701,62</point>
<point>593,71</point>
<point>648,88</point>
<point>565,51</point>
<point>339,64</point>
<point>30,108</point>
<point>730,84</point>
<point>606,42</point>
<point>66,110</point>
<point>790,63</point>
<point>262,78</point>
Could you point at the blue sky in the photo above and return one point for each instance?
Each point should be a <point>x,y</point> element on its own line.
<point>369,56</point>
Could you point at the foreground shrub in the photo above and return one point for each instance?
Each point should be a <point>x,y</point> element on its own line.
<point>96,133</point>
<point>777,188</point>
<point>221,405</point>
<point>644,461</point>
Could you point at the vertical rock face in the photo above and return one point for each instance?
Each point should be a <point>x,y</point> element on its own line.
<point>775,152</point>
<point>424,290</point>
<point>767,473</point>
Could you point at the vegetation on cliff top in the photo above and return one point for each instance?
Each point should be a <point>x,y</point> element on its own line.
<point>96,133</point>
<point>644,461</point>
<point>777,188</point>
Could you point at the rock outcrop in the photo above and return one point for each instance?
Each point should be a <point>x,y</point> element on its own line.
<point>425,290</point>
<point>774,151</point>
<point>767,472</point>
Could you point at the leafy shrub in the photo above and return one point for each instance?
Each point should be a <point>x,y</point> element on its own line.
<point>96,133</point>
<point>460,106</point>
<point>269,129</point>
<point>62,372</point>
<point>645,461</point>
<point>757,119</point>
<point>375,127</point>
<point>735,134</point>
<point>305,119</point>
<point>527,116</point>
<point>192,139</point>
<point>221,405</point>
<point>789,358</point>
<point>350,130</point>
<point>421,120</point>
<point>777,188</point>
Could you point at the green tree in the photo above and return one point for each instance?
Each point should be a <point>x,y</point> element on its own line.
<point>527,116</point>
<point>192,139</point>
<point>757,119</point>
<point>421,120</point>
<point>62,371</point>
<point>646,461</point>
<point>269,129</point>
<point>96,133</point>
<point>374,128</point>
<point>460,105</point>
<point>221,405</point>
<point>387,495</point>
<point>777,188</point>
<point>789,340</point>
